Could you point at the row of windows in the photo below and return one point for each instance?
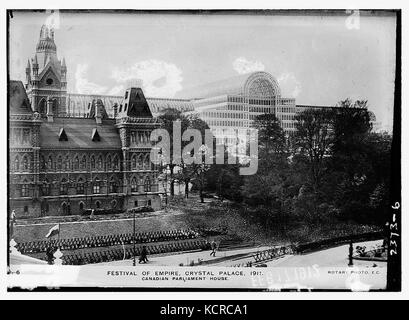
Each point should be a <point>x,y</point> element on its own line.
<point>286,109</point>
<point>226,123</point>
<point>140,137</point>
<point>20,136</point>
<point>231,115</point>
<point>110,162</point>
<point>287,101</point>
<point>261,109</point>
<point>22,164</point>
<point>286,117</point>
<point>80,163</point>
<point>288,125</point>
<point>138,161</point>
<point>114,186</point>
<point>262,102</point>
<point>236,99</point>
<point>235,107</point>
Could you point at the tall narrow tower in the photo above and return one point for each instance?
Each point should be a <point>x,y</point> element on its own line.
<point>46,76</point>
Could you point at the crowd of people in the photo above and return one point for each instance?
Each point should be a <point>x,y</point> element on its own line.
<point>129,253</point>
<point>106,240</point>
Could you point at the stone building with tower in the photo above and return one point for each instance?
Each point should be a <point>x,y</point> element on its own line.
<point>62,164</point>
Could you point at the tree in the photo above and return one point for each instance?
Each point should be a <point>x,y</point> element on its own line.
<point>167,119</point>
<point>351,127</point>
<point>313,142</point>
<point>265,186</point>
<point>182,171</point>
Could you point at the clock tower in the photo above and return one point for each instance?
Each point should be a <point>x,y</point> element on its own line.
<point>46,77</point>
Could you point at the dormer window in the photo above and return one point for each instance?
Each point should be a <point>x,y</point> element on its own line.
<point>62,135</point>
<point>126,95</point>
<point>95,135</point>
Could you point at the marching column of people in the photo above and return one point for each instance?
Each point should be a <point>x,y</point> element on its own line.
<point>107,240</point>
<point>128,253</point>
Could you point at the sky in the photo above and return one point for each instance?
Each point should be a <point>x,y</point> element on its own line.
<point>317,59</point>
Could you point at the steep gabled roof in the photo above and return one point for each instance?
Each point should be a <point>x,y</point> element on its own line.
<point>79,134</point>
<point>134,104</point>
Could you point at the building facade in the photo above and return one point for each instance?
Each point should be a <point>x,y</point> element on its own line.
<point>61,164</point>
<point>230,106</point>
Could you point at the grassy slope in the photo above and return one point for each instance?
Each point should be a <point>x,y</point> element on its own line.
<point>94,228</point>
<point>192,214</point>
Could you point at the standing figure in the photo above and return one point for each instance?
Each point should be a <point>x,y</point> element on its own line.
<point>144,255</point>
<point>50,254</point>
<point>214,247</point>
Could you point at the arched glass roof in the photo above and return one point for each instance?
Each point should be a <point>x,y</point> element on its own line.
<point>260,84</point>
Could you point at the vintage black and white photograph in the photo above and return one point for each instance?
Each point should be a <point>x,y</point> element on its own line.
<point>217,149</point>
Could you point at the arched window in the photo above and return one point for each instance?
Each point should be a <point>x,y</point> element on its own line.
<point>50,163</point>
<point>80,186</point>
<point>64,208</point>
<point>84,163</point>
<point>146,162</point>
<point>42,107</point>
<point>25,163</point>
<point>45,188</point>
<point>100,163</point>
<point>113,204</point>
<point>82,205</point>
<point>96,186</point>
<point>148,186</point>
<point>134,163</point>
<point>76,164</point>
<point>43,165</point>
<point>63,186</point>
<point>17,163</point>
<point>113,186</point>
<point>25,189</point>
<point>98,204</point>
<point>116,163</point>
<point>67,163</point>
<point>109,164</point>
<point>59,163</point>
<point>140,162</point>
<point>134,185</point>
<point>92,162</point>
<point>26,136</point>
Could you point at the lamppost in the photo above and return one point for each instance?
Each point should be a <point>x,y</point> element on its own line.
<point>351,252</point>
<point>133,240</point>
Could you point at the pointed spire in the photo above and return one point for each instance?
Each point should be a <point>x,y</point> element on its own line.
<point>28,64</point>
<point>35,59</point>
<point>46,41</point>
<point>63,62</point>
